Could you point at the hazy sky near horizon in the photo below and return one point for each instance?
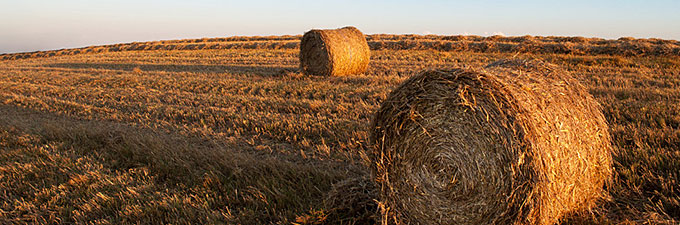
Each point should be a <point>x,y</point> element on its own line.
<point>31,25</point>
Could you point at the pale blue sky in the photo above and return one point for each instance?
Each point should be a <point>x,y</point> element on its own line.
<point>30,25</point>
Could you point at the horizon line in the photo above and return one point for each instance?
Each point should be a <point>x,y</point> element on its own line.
<point>300,34</point>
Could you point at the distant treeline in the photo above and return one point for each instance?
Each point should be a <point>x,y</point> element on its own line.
<point>500,44</point>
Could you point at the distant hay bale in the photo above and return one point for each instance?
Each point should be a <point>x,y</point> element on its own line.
<point>335,52</point>
<point>517,142</point>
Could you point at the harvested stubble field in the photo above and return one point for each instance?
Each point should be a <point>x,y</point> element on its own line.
<point>228,130</point>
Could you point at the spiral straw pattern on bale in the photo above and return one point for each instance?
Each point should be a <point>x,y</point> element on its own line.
<point>517,142</point>
<point>335,52</point>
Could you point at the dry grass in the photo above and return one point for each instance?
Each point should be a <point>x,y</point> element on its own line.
<point>240,136</point>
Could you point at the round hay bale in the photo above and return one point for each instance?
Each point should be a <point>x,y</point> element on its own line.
<point>517,142</point>
<point>336,52</point>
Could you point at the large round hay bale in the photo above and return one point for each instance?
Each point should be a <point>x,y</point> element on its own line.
<point>336,52</point>
<point>517,142</point>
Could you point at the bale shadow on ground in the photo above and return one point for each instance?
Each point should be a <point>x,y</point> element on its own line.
<point>263,70</point>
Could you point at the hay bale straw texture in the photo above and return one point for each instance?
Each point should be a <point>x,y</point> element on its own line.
<point>335,52</point>
<point>515,142</point>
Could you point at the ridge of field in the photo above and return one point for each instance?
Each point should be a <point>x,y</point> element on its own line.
<point>624,46</point>
<point>240,136</point>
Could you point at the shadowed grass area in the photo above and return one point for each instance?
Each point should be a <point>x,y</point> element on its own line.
<point>55,169</point>
<point>235,69</point>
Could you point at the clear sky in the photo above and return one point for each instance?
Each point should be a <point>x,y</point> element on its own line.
<point>30,25</point>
